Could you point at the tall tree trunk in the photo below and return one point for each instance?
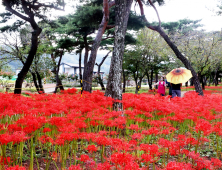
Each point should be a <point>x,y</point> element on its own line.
<point>55,72</point>
<point>138,86</point>
<point>86,51</point>
<point>216,80</point>
<point>100,81</point>
<point>88,69</point>
<point>35,82</point>
<point>172,46</point>
<point>80,69</point>
<point>28,62</point>
<point>156,77</point>
<point>58,81</point>
<point>191,81</point>
<point>40,82</point>
<point>114,89</point>
<point>150,79</point>
<point>202,82</point>
<point>124,81</point>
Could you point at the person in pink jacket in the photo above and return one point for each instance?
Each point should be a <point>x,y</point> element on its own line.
<point>161,86</point>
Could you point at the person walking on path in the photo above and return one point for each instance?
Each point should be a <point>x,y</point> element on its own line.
<point>161,86</point>
<point>176,90</point>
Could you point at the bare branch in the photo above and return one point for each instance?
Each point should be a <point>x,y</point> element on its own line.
<point>156,12</point>
<point>111,4</point>
<point>18,14</point>
<point>110,27</point>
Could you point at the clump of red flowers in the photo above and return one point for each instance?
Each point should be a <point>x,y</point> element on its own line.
<point>151,132</point>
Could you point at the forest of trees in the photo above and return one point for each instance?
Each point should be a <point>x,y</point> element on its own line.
<point>139,49</point>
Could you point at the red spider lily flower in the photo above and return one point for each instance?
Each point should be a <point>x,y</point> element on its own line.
<point>137,136</point>
<point>75,167</point>
<point>121,158</point>
<point>4,161</point>
<point>191,141</point>
<point>164,142</point>
<point>153,130</point>
<point>54,156</point>
<point>134,127</point>
<point>178,166</point>
<point>84,158</point>
<point>216,162</point>
<point>46,130</point>
<point>46,139</point>
<point>133,142</point>
<point>113,133</point>
<point>5,139</point>
<point>69,91</point>
<point>18,137</point>
<point>91,148</point>
<point>17,167</point>
<point>104,166</point>
<point>103,133</point>
<point>203,125</point>
<point>131,166</point>
<point>13,127</point>
<point>101,140</point>
<point>120,122</point>
<point>140,120</point>
<point>146,158</point>
<point>94,123</point>
<point>90,164</point>
<point>60,142</point>
<point>150,149</point>
<point>217,128</point>
<point>165,131</point>
<point>68,136</point>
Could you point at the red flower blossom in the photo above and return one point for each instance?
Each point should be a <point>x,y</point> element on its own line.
<point>75,167</point>
<point>17,167</point>
<point>91,148</point>
<point>84,158</point>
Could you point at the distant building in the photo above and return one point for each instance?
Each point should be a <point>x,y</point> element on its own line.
<point>72,69</point>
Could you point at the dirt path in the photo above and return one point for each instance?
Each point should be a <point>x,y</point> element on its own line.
<point>183,92</point>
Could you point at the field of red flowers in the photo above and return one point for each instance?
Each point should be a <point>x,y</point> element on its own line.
<point>67,131</point>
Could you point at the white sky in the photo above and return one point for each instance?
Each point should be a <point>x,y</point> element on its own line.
<point>174,10</point>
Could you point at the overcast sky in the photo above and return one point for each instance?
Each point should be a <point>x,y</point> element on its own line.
<point>174,10</point>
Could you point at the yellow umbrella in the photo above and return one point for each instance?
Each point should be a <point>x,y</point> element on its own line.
<point>179,75</point>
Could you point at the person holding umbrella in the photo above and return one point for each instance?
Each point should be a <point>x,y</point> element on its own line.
<point>176,89</point>
<point>176,77</point>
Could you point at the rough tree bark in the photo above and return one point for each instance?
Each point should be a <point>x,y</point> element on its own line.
<point>28,62</point>
<point>124,81</point>
<point>99,66</point>
<point>40,82</point>
<point>55,72</point>
<point>35,82</point>
<point>114,89</point>
<point>58,81</point>
<point>150,79</point>
<point>88,70</point>
<point>80,68</point>
<point>172,46</point>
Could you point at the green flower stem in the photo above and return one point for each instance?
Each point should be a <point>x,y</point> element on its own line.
<point>102,151</point>
<point>198,141</point>
<point>31,156</point>
<point>217,140</point>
